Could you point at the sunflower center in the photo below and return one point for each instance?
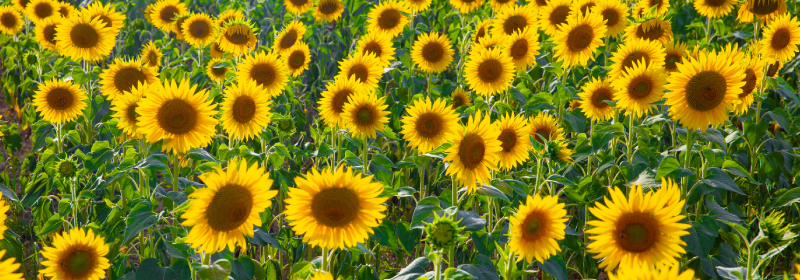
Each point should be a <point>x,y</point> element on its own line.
<point>559,15</point>
<point>216,48</point>
<point>714,3</point>
<point>339,99</point>
<point>541,135</point>
<point>179,25</point>
<point>64,11</point>
<point>781,38</point>
<point>105,19</point>
<point>764,7</point>
<point>365,116</point>
<point>671,61</point>
<point>78,263</point>
<point>244,109</point>
<point>585,8</point>
<point>298,2</point>
<point>152,59</point>
<point>9,20</point>
<point>580,38</point>
<point>514,23</point>
<point>655,3</point>
<point>508,137</point>
<point>373,47</point>
<point>773,68</point>
<point>49,33</point>
<point>199,29</point>
<point>600,95</point>
<point>84,36</point>
<point>750,82</point>
<point>429,125</point>
<point>490,70</point>
<point>237,37</point>
<point>296,59</point>
<point>541,3</point>
<point>433,52</point>
<point>636,232</point>
<point>480,34</point>
<point>360,71</point>
<point>519,49</point>
<point>635,56</point>
<point>177,117</point>
<point>219,71</point>
<point>131,113</point>
<point>289,39</point>
<point>458,101</point>
<point>230,208</point>
<point>263,74</point>
<point>168,13</point>
<point>43,10</point>
<point>23,3</point>
<point>328,7</point>
<point>389,19</point>
<point>127,78</point>
<point>532,227</point>
<point>468,1</point>
<point>335,207</point>
<point>652,34</point>
<point>611,16</point>
<point>706,90</point>
<point>60,99</point>
<point>471,150</point>
<point>640,87</point>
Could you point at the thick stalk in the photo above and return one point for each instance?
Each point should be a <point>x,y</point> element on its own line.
<point>324,259</point>
<point>630,139</point>
<point>687,160</point>
<point>176,170</point>
<point>364,154</point>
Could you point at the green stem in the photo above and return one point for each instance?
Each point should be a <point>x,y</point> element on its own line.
<point>364,154</point>
<point>324,259</point>
<point>630,139</point>
<point>176,171</point>
<point>687,160</point>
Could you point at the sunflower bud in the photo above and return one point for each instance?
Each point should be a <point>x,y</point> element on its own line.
<point>774,228</point>
<point>443,232</point>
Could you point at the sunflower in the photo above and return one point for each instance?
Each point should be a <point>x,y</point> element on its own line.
<point>111,18</point>
<point>638,12</point>
<point>514,139</point>
<point>365,114</point>
<point>432,52</point>
<point>334,209</point>
<point>164,13</point>
<point>388,17</point>
<point>179,20</point>
<point>245,110</point>
<point>552,16</point>
<point>443,232</point>
<point>66,10</point>
<point>123,75</point>
<point>499,5</point>
<point>673,54</point>
<point>59,101</point>
<point>198,30</point>
<point>651,273</point>
<point>266,70</point>
<point>77,254</point>
<point>489,71</point>
<point>3,209</point>
<point>379,44</point>
<point>228,16</point>
<point>460,97</point>
<point>11,20</point>
<point>475,151</point>
<point>761,9</point>
<point>654,29</point>
<point>179,114</point>
<point>481,30</point>
<point>237,37</point>
<point>537,5</point>
<point>615,14</point>
<point>574,104</point>
<point>714,8</point>
<point>703,90</point>
<point>366,68</point>
<point>46,33</point>
<point>639,88</point>
<point>216,51</point>
<point>491,41</point>
<point>514,18</point>
<point>297,58</point>
<point>593,95</point>
<point>632,51</point>
<point>661,6</point>
<point>535,229</point>
<point>84,38</point>
<point>578,39</point>
<point>9,266</point>
<point>466,6</point>
<point>545,128</point>
<point>753,70</point>
<point>583,6</point>
<point>331,105</point>
<point>39,10</point>
<point>217,71</point>
<point>298,7</point>
<point>291,35</point>
<point>418,6</point>
<point>522,47</point>
<point>774,68</point>
<point>20,5</point>
<point>328,10</point>
<point>429,124</point>
<point>781,38</point>
<point>124,107</point>
<point>638,231</point>
<point>151,55</point>
<point>557,151</point>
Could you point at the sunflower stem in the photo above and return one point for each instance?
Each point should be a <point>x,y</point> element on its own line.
<point>364,154</point>
<point>324,259</point>
<point>630,139</point>
<point>176,170</point>
<point>687,160</point>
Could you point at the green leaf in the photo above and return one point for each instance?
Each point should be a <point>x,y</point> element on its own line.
<point>272,270</point>
<point>452,273</point>
<point>493,192</point>
<point>137,223</point>
<point>556,267</point>
<point>786,199</point>
<point>717,178</point>
<point>670,167</point>
<point>262,237</point>
<point>561,180</point>
<point>408,237</point>
<point>482,268</point>
<point>7,193</point>
<point>425,208</point>
<point>201,155</point>
<point>219,270</point>
<point>52,224</point>
<point>414,270</point>
<point>243,268</point>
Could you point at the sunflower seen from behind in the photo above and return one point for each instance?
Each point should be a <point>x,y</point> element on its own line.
<point>379,45</point>
<point>632,51</point>
<point>59,101</point>
<point>489,71</point>
<point>365,114</point>
<point>638,231</point>
<point>594,95</point>
<point>84,38</point>
<point>291,35</point>
<point>164,13</point>
<point>199,30</point>
<point>654,29</point>
<point>703,90</point>
<point>552,16</point>
<point>297,58</point>
<point>179,114</point>
<point>714,8</point>
<point>514,139</point>
<point>579,38</point>
<point>781,38</point>
<point>328,10</point>
<point>366,68</point>
<point>535,229</point>
<point>336,95</point>
<point>615,13</point>
<point>124,108</point>
<point>11,20</point>
<point>475,152</point>
<point>298,7</point>
<point>335,209</point>
<point>39,10</point>
<point>429,124</point>
<point>227,209</point>
<point>522,47</point>
<point>107,13</point>
<point>753,72</point>
<point>388,17</point>
<point>9,266</point>
<point>245,110</point>
<point>432,52</point>
<point>638,88</point>
<point>237,37</point>
<point>266,70</point>
<point>123,75</point>
<point>76,255</point>
<point>46,33</point>
<point>466,6</point>
<point>514,18</point>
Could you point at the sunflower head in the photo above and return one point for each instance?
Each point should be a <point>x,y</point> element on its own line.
<point>774,228</point>
<point>552,16</point>
<point>39,10</point>
<point>714,8</point>
<point>9,266</point>
<point>633,51</point>
<point>753,71</point>
<point>328,10</point>
<point>151,55</point>
<point>107,14</point>
<point>460,97</point>
<point>389,17</point>
<point>578,39</point>
<point>124,106</point>
<point>557,151</point>
<point>466,6</point>
<point>781,38</point>
<point>545,128</point>
<point>489,71</point>
<point>297,59</point>
<point>366,68</point>
<point>674,53</point>
<point>237,37</point>
<point>615,13</point>
<point>77,254</point>
<point>443,232</point>
<point>291,35</point>
<point>11,20</point>
<point>536,228</point>
<point>365,115</point>
<point>298,7</point>
<point>334,98</point>
<point>228,16</point>
<point>639,87</point>
<point>514,18</point>
<point>124,75</point>
<point>481,30</point>
<point>217,70</point>
<point>654,29</point>
<point>429,124</point>
<point>165,12</point>
<point>594,97</point>
<point>85,38</point>
<point>765,10</point>
<point>432,52</point>
<point>46,33</point>
<point>475,152</point>
<point>379,45</point>
<point>198,30</point>
<point>245,110</point>
<point>285,125</point>
<point>515,141</point>
<point>67,168</point>
<point>266,70</point>
<point>59,101</point>
<point>418,6</point>
<point>522,47</point>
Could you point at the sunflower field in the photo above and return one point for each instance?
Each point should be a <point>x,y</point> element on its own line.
<point>400,139</point>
